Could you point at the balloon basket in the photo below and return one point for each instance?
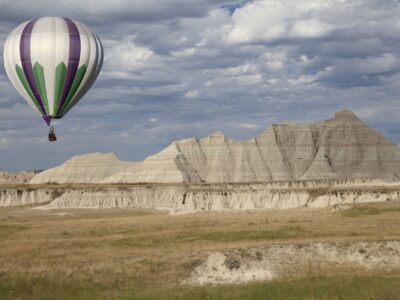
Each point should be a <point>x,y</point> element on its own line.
<point>52,137</point>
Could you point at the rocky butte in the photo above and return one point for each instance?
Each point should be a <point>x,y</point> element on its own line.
<point>337,161</point>
<point>15,178</point>
<point>339,148</point>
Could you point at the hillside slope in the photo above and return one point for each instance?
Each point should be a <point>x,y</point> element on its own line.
<point>339,148</point>
<point>342,147</point>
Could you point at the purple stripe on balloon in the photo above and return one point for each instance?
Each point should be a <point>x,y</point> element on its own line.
<point>47,119</point>
<point>25,54</point>
<point>73,60</point>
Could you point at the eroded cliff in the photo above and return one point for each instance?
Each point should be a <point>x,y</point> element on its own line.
<point>178,198</point>
<point>339,148</point>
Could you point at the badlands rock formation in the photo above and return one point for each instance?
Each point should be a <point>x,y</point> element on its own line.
<point>225,197</point>
<point>19,197</point>
<point>87,168</point>
<point>168,166</point>
<point>331,163</point>
<point>16,178</point>
<point>339,148</point>
<point>179,198</point>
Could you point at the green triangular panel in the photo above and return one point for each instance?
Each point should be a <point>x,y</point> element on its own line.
<point>75,85</point>
<point>41,84</point>
<point>61,71</point>
<point>25,84</point>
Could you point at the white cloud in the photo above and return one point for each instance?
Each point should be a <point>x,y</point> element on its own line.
<point>374,65</point>
<point>126,55</point>
<point>273,81</point>
<point>3,142</point>
<point>248,126</point>
<point>302,80</point>
<point>192,94</point>
<point>275,61</point>
<point>184,52</point>
<point>311,28</point>
<point>269,20</point>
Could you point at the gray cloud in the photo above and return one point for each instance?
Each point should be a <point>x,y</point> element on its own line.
<point>137,11</point>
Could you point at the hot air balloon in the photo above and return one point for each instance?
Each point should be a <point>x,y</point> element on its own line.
<point>52,62</point>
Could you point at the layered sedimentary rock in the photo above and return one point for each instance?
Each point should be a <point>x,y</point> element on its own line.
<point>24,196</point>
<point>334,162</point>
<point>16,178</point>
<point>205,197</point>
<point>89,168</point>
<point>170,165</point>
<point>339,148</point>
<point>163,198</point>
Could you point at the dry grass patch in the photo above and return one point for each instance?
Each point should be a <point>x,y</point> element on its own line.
<point>117,249</point>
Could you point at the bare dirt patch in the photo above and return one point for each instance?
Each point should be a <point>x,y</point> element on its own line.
<point>296,260</point>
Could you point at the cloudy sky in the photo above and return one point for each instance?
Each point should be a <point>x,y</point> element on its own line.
<point>181,68</point>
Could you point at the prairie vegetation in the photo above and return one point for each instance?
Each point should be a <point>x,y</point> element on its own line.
<point>145,254</point>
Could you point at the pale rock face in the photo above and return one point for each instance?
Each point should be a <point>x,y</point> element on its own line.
<point>167,166</point>
<point>89,168</point>
<point>161,198</point>
<point>14,197</point>
<point>339,148</point>
<point>15,178</point>
<point>280,261</point>
<point>178,198</point>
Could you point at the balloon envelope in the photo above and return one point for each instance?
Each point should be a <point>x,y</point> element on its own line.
<point>52,62</point>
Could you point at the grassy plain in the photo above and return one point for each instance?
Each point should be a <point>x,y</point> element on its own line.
<point>145,254</point>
